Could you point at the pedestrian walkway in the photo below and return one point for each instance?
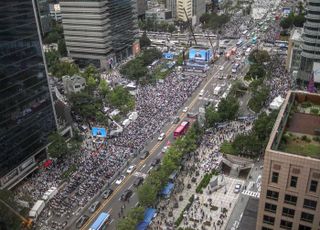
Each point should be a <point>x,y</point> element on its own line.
<point>251,193</point>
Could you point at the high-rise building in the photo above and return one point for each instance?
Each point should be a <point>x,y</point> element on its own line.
<point>100,31</point>
<point>311,39</point>
<point>42,7</point>
<point>26,110</point>
<point>193,8</point>
<point>141,8</point>
<point>290,187</point>
<point>172,6</point>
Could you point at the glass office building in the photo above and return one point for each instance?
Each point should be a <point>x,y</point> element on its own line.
<point>26,111</point>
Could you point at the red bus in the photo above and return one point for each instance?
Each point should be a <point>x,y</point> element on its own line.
<point>181,129</point>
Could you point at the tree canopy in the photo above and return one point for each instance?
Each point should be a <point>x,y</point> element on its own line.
<point>121,98</point>
<point>214,21</point>
<point>259,56</point>
<point>58,147</point>
<point>144,40</point>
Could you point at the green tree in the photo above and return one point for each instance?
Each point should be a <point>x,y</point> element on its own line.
<point>228,108</point>
<point>147,195</point>
<point>126,224</point>
<point>144,40</point>
<point>62,48</point>
<point>61,69</point>
<point>52,37</point>
<point>299,20</point>
<point>120,97</point>
<point>136,214</point>
<point>204,18</point>
<point>256,71</point>
<point>103,87</point>
<point>91,83</point>
<point>134,69</point>
<point>91,71</point>
<point>52,58</point>
<point>212,117</point>
<point>259,56</point>
<point>85,104</point>
<point>258,98</point>
<point>171,28</point>
<point>58,147</point>
<point>150,56</point>
<point>247,144</point>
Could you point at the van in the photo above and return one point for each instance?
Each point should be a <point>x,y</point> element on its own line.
<point>144,155</point>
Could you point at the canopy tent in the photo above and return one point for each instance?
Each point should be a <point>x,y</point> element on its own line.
<point>149,214</point>
<point>276,103</point>
<point>167,190</point>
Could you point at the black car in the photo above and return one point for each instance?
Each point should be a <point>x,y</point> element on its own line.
<point>138,181</point>
<point>126,195</point>
<point>144,155</point>
<point>81,221</point>
<point>155,161</point>
<point>107,193</point>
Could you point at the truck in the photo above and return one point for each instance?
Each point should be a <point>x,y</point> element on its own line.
<point>217,90</point>
<point>36,209</point>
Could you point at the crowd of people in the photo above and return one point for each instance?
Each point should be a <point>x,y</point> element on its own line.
<point>95,165</point>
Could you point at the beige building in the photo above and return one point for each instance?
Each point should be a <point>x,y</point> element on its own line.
<point>294,50</point>
<point>181,5</point>
<point>290,188</point>
<point>194,9</point>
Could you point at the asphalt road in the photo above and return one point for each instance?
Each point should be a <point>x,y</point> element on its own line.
<point>113,204</point>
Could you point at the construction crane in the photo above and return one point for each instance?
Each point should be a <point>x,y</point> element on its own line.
<point>26,222</point>
<point>190,26</point>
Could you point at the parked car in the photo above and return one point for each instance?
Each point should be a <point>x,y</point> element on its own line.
<point>185,109</point>
<point>107,193</point>
<point>81,221</point>
<point>176,120</point>
<point>94,206</point>
<point>120,179</point>
<point>126,195</point>
<point>237,188</point>
<point>131,169</point>
<point>144,154</point>
<point>138,181</point>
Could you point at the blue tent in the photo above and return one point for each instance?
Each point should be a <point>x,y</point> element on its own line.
<point>167,190</point>
<point>148,216</point>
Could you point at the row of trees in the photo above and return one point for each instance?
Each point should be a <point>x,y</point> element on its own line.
<point>253,143</point>
<point>56,36</point>
<point>137,68</point>
<point>148,193</point>
<point>154,25</point>
<point>214,21</point>
<point>227,110</point>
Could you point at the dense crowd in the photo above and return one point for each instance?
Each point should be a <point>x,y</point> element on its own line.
<point>97,164</point>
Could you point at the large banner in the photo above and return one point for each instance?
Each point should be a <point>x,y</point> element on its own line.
<point>197,54</point>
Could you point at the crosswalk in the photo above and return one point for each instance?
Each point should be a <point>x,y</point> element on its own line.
<point>251,193</point>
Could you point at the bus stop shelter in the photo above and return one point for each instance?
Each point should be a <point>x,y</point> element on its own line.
<point>149,214</point>
<point>167,190</point>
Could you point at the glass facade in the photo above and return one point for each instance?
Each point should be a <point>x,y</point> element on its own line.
<point>26,111</point>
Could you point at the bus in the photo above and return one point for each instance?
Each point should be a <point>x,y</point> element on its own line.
<point>239,43</point>
<point>101,222</point>
<point>181,129</point>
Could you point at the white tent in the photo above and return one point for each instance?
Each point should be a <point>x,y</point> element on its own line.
<point>276,103</point>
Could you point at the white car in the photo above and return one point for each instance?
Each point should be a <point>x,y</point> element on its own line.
<point>185,109</point>
<point>120,179</point>
<point>221,68</point>
<point>237,188</point>
<point>130,169</point>
<point>161,137</point>
<point>201,93</point>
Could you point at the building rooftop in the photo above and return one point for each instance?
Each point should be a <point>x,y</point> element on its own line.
<point>297,128</point>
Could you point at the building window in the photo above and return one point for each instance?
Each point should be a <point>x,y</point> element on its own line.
<point>275,176</point>
<point>313,186</point>
<point>288,212</point>
<point>290,199</point>
<point>307,217</point>
<point>268,220</point>
<point>302,227</point>
<point>310,204</point>
<point>285,224</point>
<point>272,195</point>
<point>270,207</point>
<point>294,181</point>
